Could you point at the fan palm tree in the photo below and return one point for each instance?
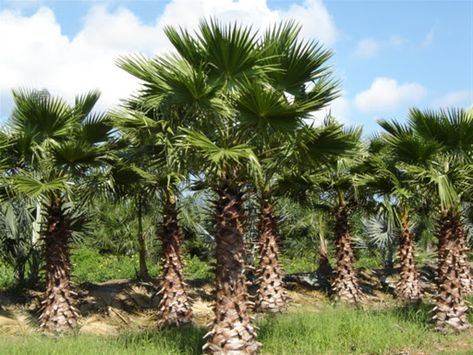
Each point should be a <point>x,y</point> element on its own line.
<point>443,177</point>
<point>453,131</point>
<point>301,72</point>
<point>150,136</point>
<point>56,147</point>
<point>327,156</point>
<point>384,179</point>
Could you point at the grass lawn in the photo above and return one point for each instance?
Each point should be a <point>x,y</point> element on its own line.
<point>332,330</point>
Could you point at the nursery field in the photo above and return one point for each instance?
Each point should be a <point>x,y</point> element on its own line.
<point>118,318</point>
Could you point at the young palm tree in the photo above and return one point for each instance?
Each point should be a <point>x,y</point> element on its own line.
<point>443,177</point>
<point>57,145</point>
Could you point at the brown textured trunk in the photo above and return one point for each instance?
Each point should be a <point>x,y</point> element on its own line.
<point>450,309</point>
<point>464,266</point>
<point>408,288</point>
<point>270,295</point>
<point>143,273</point>
<point>175,307</point>
<point>345,282</point>
<point>58,313</point>
<point>231,332</point>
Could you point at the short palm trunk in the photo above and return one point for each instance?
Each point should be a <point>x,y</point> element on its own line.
<point>175,307</point>
<point>408,288</point>
<point>58,313</point>
<point>345,282</point>
<point>450,309</point>
<point>270,296</point>
<point>231,331</point>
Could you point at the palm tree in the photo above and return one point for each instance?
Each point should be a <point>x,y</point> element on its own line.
<point>326,157</point>
<point>301,72</point>
<point>442,176</point>
<point>151,143</point>
<point>384,178</point>
<point>453,131</point>
<point>57,145</point>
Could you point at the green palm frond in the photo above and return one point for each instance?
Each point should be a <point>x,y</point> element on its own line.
<point>406,144</point>
<point>85,103</point>
<point>261,106</point>
<point>33,187</point>
<point>299,62</point>
<point>222,158</point>
<point>451,128</point>
<point>40,115</point>
<point>230,50</point>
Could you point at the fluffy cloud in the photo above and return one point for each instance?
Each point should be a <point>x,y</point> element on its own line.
<point>386,95</point>
<point>454,98</point>
<point>40,55</point>
<point>370,47</point>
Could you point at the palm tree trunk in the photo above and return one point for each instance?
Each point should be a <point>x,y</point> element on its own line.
<point>231,332</point>
<point>58,313</point>
<point>407,288</point>
<point>143,273</point>
<point>450,309</point>
<point>270,295</point>
<point>175,307</point>
<point>464,266</point>
<point>345,283</point>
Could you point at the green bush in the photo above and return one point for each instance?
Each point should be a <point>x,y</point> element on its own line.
<point>90,266</point>
<point>7,276</point>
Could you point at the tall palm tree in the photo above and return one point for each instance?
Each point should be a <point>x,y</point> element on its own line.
<point>226,167</point>
<point>453,131</point>
<point>150,137</point>
<point>57,146</point>
<point>442,176</point>
<point>326,157</point>
<point>384,178</point>
<point>300,71</point>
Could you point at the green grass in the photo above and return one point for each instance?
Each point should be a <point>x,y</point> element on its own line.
<point>333,330</point>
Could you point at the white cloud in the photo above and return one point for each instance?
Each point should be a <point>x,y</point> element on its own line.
<point>40,55</point>
<point>369,47</point>
<point>454,98</point>
<point>386,95</point>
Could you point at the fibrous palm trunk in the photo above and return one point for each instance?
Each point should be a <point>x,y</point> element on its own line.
<point>175,307</point>
<point>345,282</point>
<point>58,313</point>
<point>450,309</point>
<point>408,288</point>
<point>464,267</point>
<point>231,331</point>
<point>270,295</point>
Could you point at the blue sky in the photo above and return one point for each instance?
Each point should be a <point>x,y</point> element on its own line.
<point>390,55</point>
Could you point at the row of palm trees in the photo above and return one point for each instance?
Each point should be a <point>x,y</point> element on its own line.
<point>226,112</point>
